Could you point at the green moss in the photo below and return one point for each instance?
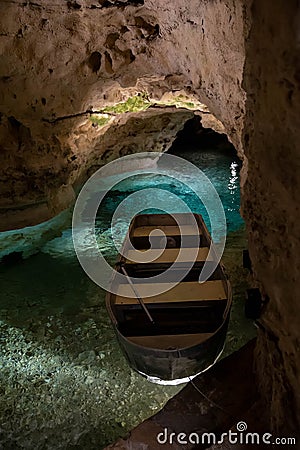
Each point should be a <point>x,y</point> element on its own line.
<point>137,103</point>
<point>189,104</point>
<point>182,102</point>
<point>99,120</point>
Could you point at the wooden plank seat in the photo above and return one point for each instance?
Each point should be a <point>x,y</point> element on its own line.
<point>185,291</point>
<point>169,230</point>
<point>168,255</point>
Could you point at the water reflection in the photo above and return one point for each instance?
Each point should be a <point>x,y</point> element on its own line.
<point>234,179</point>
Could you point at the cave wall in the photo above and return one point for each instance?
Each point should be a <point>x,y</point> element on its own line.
<point>40,178</point>
<point>63,60</point>
<point>271,198</point>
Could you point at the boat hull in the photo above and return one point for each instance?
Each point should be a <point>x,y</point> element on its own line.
<point>174,334</point>
<point>174,365</point>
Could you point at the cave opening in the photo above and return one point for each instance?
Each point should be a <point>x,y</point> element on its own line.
<point>212,152</point>
<point>194,135</point>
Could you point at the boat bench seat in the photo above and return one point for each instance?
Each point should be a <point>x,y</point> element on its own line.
<point>169,230</point>
<point>190,291</point>
<point>169,255</point>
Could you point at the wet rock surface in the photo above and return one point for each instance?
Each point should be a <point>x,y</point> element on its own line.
<point>65,383</point>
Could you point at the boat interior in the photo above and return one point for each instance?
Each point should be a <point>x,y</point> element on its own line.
<point>185,314</point>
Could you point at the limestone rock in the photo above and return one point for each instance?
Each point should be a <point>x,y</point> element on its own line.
<point>271,197</point>
<point>61,61</point>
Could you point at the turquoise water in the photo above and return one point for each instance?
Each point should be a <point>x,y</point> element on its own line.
<point>64,382</point>
<point>221,168</point>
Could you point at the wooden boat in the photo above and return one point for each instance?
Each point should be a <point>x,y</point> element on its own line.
<point>173,335</point>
